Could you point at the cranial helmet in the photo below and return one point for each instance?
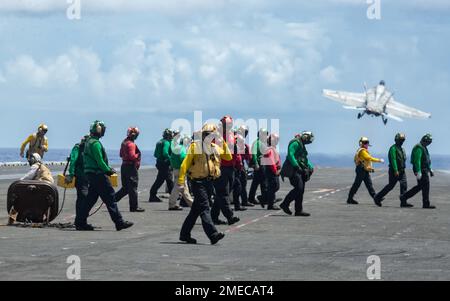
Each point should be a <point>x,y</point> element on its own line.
<point>133,132</point>
<point>364,141</point>
<point>167,134</point>
<point>427,139</point>
<point>263,132</point>
<point>243,130</point>
<point>400,137</point>
<point>42,128</point>
<point>98,128</point>
<point>307,137</point>
<point>274,139</point>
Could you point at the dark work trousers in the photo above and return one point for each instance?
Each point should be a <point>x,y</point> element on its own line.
<point>361,176</point>
<point>424,185</point>
<point>164,175</point>
<point>392,182</point>
<point>296,193</point>
<point>223,187</point>
<point>202,191</point>
<point>272,185</point>
<point>258,179</point>
<point>82,186</point>
<point>130,181</point>
<point>99,186</point>
<point>240,188</point>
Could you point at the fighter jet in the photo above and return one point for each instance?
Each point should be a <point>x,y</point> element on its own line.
<point>377,101</point>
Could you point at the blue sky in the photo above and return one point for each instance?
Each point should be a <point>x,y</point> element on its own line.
<point>147,63</point>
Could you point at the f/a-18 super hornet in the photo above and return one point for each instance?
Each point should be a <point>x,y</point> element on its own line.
<point>377,101</point>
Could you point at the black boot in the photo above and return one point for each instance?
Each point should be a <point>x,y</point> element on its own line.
<point>189,240</point>
<point>219,222</point>
<point>154,199</point>
<point>351,201</point>
<point>302,214</point>
<point>233,220</point>
<point>285,208</point>
<point>85,227</point>
<point>138,209</point>
<point>123,225</point>
<point>404,203</point>
<point>216,237</point>
<point>378,201</point>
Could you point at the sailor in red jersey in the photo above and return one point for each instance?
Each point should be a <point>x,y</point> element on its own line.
<point>272,172</point>
<point>224,184</point>
<point>131,161</point>
<point>243,156</point>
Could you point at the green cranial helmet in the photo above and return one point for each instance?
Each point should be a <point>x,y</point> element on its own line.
<point>98,128</point>
<point>307,137</point>
<point>427,139</point>
<point>167,134</point>
<point>400,137</point>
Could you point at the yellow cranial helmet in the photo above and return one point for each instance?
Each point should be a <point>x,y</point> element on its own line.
<point>42,128</point>
<point>364,140</point>
<point>209,127</point>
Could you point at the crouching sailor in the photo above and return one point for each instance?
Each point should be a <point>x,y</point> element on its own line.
<point>38,170</point>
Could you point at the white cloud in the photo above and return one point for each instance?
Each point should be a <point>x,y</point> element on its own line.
<point>176,7</point>
<point>329,74</point>
<point>167,6</point>
<point>262,57</point>
<point>26,69</point>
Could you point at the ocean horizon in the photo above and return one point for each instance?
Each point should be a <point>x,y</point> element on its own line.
<point>325,160</point>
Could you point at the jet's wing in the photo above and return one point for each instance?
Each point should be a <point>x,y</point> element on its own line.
<point>346,98</point>
<point>395,108</point>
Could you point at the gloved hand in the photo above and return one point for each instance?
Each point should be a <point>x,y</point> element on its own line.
<point>431,173</point>
<point>418,176</point>
<point>111,172</point>
<point>381,160</point>
<point>22,155</point>
<point>396,174</point>
<point>68,179</point>
<point>181,188</point>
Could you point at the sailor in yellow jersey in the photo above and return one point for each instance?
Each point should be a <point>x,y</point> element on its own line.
<point>363,162</point>
<point>38,143</point>
<point>202,165</point>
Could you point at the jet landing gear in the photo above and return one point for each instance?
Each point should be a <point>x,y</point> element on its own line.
<point>384,120</point>
<point>360,115</point>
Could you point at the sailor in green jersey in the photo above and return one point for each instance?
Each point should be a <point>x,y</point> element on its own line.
<point>97,171</point>
<point>179,148</point>
<point>162,155</point>
<point>76,169</point>
<point>258,148</point>
<point>297,158</point>
<point>397,165</point>
<point>421,161</point>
